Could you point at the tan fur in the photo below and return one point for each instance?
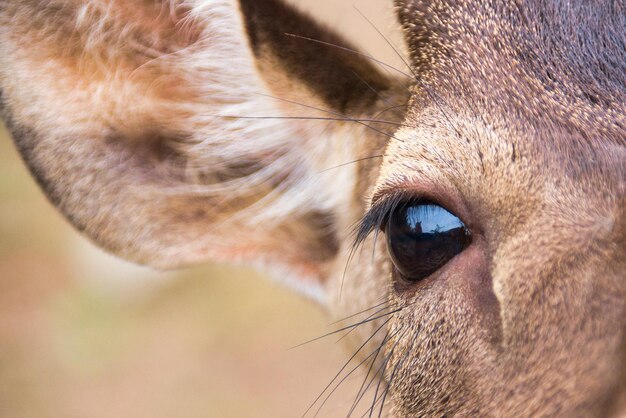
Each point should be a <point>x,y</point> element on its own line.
<point>170,133</point>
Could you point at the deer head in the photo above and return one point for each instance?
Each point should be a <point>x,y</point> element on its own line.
<point>471,206</point>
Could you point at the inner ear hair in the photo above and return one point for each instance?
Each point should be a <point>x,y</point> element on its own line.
<point>171,141</point>
<point>286,40</point>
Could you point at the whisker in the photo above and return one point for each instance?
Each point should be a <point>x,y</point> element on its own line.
<point>361,392</point>
<point>343,368</point>
<point>415,77</point>
<point>331,113</point>
<point>380,380</point>
<point>374,244</point>
<point>363,311</point>
<point>381,372</point>
<point>353,51</point>
<point>386,67</point>
<point>348,327</point>
<point>356,245</point>
<point>393,373</point>
<point>312,118</point>
<point>358,160</point>
<point>388,109</point>
<point>371,315</point>
<point>345,270</point>
<point>344,379</point>
<point>389,43</point>
<point>379,94</point>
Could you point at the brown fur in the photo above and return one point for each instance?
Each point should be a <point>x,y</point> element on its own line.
<point>516,122</point>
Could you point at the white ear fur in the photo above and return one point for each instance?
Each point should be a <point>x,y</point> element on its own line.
<point>65,108</point>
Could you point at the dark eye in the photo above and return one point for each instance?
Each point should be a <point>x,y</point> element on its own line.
<point>423,237</point>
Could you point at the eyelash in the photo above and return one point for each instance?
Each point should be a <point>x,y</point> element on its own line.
<point>377,216</point>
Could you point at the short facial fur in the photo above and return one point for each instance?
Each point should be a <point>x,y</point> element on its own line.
<point>167,131</point>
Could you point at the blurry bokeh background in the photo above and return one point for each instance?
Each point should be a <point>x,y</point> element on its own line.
<point>84,334</point>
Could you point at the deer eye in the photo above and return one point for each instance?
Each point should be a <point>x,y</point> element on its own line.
<point>423,237</point>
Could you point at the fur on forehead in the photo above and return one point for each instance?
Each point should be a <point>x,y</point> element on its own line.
<point>567,59</point>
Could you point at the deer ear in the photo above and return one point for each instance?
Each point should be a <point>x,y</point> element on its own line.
<point>155,128</point>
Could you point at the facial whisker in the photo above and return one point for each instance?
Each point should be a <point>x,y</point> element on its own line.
<point>344,366</point>
<point>345,270</point>
<point>358,366</point>
<point>348,327</point>
<point>389,43</point>
<point>381,373</point>
<point>358,160</point>
<point>362,391</point>
<point>393,373</point>
<point>388,122</point>
<point>377,115</point>
<point>379,94</point>
<point>415,77</point>
<point>369,316</point>
<point>353,51</point>
<point>374,245</point>
<point>385,301</point>
<point>388,135</point>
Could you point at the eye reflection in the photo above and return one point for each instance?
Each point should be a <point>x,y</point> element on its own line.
<point>422,238</point>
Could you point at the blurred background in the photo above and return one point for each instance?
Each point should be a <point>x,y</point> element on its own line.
<point>84,334</point>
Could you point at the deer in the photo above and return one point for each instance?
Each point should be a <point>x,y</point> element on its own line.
<point>468,208</point>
